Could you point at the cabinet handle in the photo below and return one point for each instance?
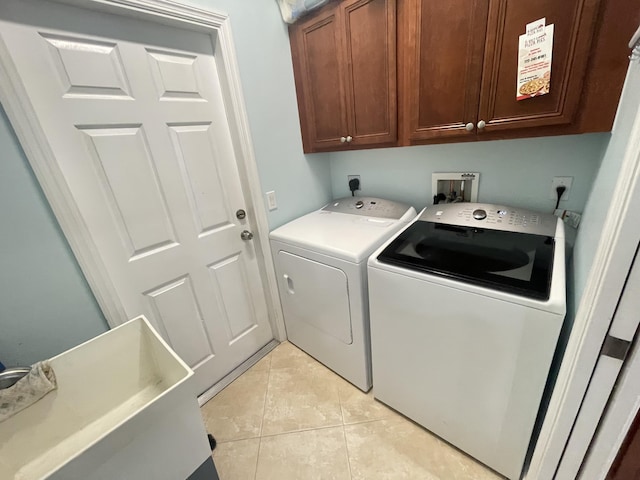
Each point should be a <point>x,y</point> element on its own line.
<point>481,124</point>
<point>469,126</point>
<point>349,138</point>
<point>343,139</point>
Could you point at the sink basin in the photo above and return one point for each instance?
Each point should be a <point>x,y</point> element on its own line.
<point>123,398</point>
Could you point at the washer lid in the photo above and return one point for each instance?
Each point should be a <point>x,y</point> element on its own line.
<point>348,236</point>
<point>514,262</point>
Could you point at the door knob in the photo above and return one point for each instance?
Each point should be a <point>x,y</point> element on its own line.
<point>246,235</point>
<point>343,139</point>
<point>241,214</point>
<point>469,126</point>
<point>349,138</point>
<point>481,124</point>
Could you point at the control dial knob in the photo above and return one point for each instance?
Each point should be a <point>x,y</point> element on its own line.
<point>479,214</point>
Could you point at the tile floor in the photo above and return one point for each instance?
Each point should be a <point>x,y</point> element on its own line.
<point>289,417</point>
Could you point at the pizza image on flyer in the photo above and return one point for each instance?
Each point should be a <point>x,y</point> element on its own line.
<point>534,61</point>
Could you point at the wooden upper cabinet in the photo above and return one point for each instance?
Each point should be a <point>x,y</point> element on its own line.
<point>574,24</point>
<point>441,44</point>
<point>344,60</point>
<point>401,72</point>
<point>316,49</point>
<point>370,57</point>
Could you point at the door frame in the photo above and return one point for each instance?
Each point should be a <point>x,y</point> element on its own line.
<point>23,118</point>
<point>613,259</point>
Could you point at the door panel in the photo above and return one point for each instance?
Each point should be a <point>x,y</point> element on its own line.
<point>443,65</point>
<point>237,306</point>
<point>371,71</point>
<point>138,127</point>
<point>71,55</point>
<point>173,302</point>
<point>194,151</point>
<point>174,75</point>
<point>317,50</point>
<point>129,181</point>
<point>574,22</point>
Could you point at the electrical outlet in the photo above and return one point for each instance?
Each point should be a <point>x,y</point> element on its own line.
<point>560,182</point>
<point>271,200</point>
<point>351,177</point>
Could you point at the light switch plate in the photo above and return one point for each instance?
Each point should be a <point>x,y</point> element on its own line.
<point>271,200</point>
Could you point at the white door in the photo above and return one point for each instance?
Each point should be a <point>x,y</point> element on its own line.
<point>134,115</point>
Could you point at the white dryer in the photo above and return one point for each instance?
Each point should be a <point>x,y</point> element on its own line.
<point>467,304</point>
<point>321,266</point>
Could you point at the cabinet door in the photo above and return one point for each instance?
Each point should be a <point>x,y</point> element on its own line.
<point>370,48</point>
<point>316,48</point>
<point>441,44</point>
<point>574,22</point>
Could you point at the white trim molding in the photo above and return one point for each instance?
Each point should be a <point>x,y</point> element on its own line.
<point>23,118</point>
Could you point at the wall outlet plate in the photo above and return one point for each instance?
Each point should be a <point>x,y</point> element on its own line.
<point>557,182</point>
<point>350,177</point>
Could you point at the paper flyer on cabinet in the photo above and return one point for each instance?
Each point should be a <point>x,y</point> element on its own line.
<point>535,49</point>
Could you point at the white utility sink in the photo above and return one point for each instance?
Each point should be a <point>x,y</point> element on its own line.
<point>125,407</point>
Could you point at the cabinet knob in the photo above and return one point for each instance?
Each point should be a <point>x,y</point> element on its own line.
<point>349,138</point>
<point>343,139</point>
<point>481,124</point>
<point>469,126</point>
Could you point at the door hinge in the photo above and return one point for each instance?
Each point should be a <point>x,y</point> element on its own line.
<point>615,347</point>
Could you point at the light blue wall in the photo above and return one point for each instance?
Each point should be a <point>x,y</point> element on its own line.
<point>597,206</point>
<point>45,303</point>
<point>512,172</point>
<point>46,306</point>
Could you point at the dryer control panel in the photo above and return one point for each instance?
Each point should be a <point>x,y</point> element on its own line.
<point>496,217</point>
<point>368,207</point>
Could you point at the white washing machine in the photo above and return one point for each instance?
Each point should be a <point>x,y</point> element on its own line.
<point>466,307</point>
<point>321,266</point>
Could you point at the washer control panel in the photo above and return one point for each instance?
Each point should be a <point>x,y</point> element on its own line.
<point>368,206</point>
<point>497,217</point>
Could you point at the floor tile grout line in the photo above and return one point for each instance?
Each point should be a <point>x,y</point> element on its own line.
<point>264,408</point>
<point>266,393</point>
<point>222,442</point>
<point>346,447</point>
<point>255,472</point>
<point>371,420</point>
<point>340,403</point>
<point>310,429</point>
